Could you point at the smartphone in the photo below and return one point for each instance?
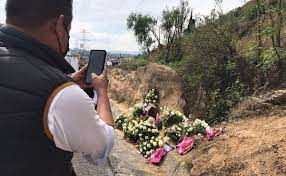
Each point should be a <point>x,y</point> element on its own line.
<point>95,64</point>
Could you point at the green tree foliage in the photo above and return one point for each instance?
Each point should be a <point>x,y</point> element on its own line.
<point>210,67</point>
<point>174,24</point>
<point>218,71</point>
<point>143,27</point>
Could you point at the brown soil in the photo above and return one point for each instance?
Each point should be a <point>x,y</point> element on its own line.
<point>256,146</point>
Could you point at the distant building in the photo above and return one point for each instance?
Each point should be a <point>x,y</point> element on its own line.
<point>113,62</point>
<point>73,60</point>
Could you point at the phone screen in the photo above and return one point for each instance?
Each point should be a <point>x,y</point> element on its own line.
<point>96,64</point>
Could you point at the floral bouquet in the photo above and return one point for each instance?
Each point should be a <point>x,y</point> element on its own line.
<point>151,96</point>
<point>200,127</point>
<point>131,130</point>
<point>148,146</point>
<point>120,121</point>
<point>147,130</point>
<point>175,133</point>
<point>171,117</point>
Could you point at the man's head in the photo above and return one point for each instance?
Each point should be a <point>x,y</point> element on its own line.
<point>47,20</point>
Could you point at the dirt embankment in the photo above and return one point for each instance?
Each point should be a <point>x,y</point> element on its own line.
<point>254,142</point>
<point>127,87</point>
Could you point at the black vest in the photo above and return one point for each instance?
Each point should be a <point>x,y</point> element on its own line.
<point>29,73</point>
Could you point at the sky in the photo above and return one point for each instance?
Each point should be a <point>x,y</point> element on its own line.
<point>105,20</point>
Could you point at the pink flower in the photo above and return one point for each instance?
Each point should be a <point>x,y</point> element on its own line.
<point>157,156</point>
<point>158,120</point>
<point>186,145</point>
<point>210,133</point>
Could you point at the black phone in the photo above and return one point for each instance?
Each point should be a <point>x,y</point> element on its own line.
<point>95,64</point>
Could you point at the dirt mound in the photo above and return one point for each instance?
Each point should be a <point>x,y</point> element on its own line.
<point>268,103</point>
<point>250,147</point>
<point>127,87</point>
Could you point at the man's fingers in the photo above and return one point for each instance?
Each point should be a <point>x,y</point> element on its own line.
<point>93,75</point>
<point>104,73</point>
<point>84,69</point>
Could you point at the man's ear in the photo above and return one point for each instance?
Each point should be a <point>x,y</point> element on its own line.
<point>60,26</point>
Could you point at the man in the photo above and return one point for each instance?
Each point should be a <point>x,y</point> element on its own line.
<point>45,116</point>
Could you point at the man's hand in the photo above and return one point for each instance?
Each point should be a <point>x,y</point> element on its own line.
<point>100,83</point>
<point>79,77</point>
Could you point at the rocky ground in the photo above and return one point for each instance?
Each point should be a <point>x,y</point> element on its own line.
<point>123,161</point>
<point>255,147</point>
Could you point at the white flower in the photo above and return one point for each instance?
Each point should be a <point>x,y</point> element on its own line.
<point>151,141</point>
<point>152,137</point>
<point>149,130</point>
<point>154,144</point>
<point>154,131</point>
<point>146,137</point>
<point>161,143</point>
<point>154,101</point>
<point>148,153</point>
<point>166,139</point>
<point>144,148</point>
<point>145,143</point>
<point>148,145</point>
<point>145,156</point>
<point>140,135</point>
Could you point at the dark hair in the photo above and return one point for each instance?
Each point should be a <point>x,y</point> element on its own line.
<point>29,13</point>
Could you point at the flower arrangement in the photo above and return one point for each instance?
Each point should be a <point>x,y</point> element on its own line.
<point>175,133</point>
<point>138,110</point>
<point>148,146</point>
<point>151,96</point>
<point>122,119</point>
<point>171,117</point>
<point>186,129</point>
<point>167,127</point>
<point>199,126</point>
<point>131,130</point>
<point>147,130</point>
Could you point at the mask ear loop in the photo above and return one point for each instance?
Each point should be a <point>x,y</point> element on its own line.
<point>55,25</point>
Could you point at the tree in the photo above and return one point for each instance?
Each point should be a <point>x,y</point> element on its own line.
<point>211,67</point>
<point>218,4</point>
<point>191,25</point>
<point>174,25</point>
<point>143,27</point>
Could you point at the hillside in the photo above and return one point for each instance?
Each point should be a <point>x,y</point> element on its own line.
<point>218,77</point>
<point>247,29</point>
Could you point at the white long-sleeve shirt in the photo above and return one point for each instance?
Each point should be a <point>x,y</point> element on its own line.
<point>76,126</point>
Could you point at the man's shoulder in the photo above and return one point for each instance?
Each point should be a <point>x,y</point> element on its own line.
<point>36,72</point>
